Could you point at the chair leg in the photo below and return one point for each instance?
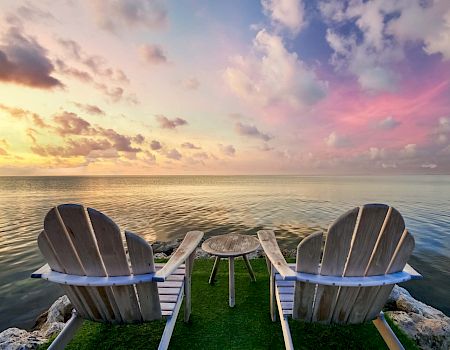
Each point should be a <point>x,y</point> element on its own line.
<point>273,312</point>
<point>67,333</point>
<point>188,287</point>
<point>170,324</point>
<point>386,332</point>
<point>284,324</point>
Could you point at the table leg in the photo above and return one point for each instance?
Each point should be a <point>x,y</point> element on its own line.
<point>212,278</point>
<point>231,280</point>
<point>249,268</point>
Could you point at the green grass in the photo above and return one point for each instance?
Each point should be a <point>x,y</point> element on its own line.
<point>214,325</point>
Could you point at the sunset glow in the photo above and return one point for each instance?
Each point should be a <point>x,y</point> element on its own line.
<point>224,87</point>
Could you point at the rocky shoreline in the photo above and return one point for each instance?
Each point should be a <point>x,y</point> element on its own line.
<point>429,327</point>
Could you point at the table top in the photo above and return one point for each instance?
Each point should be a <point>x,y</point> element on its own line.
<point>230,245</point>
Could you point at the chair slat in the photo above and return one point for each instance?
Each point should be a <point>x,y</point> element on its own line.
<point>110,245</point>
<point>308,258</point>
<point>370,223</point>
<point>50,256</point>
<point>76,224</point>
<point>141,258</point>
<point>337,247</point>
<point>391,232</point>
<point>401,256</point>
<point>61,243</point>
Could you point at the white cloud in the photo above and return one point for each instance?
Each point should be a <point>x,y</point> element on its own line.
<point>388,123</point>
<point>337,141</point>
<point>382,29</point>
<point>409,151</point>
<point>289,14</point>
<point>429,165</point>
<point>228,150</point>
<point>376,153</point>
<point>271,75</point>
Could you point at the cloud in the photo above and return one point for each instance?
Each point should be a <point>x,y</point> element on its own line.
<point>112,15</point>
<point>70,124</point>
<point>228,150</point>
<point>139,139</point>
<point>96,64</point>
<point>32,13</point>
<point>409,151</point>
<point>20,113</point>
<point>189,145</point>
<point>166,123</point>
<point>377,153</point>
<point>153,54</point>
<point>174,154</point>
<point>271,75</point>
<point>337,141</point>
<point>91,109</point>
<point>120,142</point>
<point>155,145</point>
<point>388,123</point>
<point>190,84</point>
<point>429,165</point>
<point>73,148</point>
<point>250,130</point>
<point>377,33</point>
<point>286,14</point>
<point>24,61</point>
<point>201,155</point>
<point>3,152</point>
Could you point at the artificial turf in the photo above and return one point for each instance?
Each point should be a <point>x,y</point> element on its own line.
<point>214,325</point>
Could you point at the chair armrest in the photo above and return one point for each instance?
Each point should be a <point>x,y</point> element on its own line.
<point>413,273</point>
<point>186,248</point>
<point>273,253</point>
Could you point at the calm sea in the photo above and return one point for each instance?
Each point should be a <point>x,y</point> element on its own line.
<point>164,208</point>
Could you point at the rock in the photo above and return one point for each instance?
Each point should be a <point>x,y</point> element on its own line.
<point>159,256</point>
<point>429,327</point>
<point>166,247</point>
<point>60,311</point>
<point>19,339</point>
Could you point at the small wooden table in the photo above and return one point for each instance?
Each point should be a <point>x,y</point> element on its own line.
<point>230,246</point>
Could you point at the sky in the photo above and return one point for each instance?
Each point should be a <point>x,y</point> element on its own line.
<point>147,87</point>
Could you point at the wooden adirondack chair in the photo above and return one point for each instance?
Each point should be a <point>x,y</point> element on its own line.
<point>86,256</point>
<point>365,254</point>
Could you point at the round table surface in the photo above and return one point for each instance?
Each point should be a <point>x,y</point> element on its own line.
<point>230,245</point>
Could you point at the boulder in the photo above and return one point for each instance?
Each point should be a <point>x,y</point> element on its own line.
<point>429,327</point>
<point>19,339</point>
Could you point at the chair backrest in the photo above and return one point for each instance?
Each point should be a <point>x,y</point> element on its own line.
<point>365,241</point>
<point>88,243</point>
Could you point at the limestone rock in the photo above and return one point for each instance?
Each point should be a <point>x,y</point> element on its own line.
<point>429,327</point>
<point>60,311</point>
<point>19,339</point>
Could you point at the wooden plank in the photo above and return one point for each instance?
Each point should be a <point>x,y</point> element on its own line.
<point>371,221</point>
<point>398,262</point>
<point>187,286</point>
<point>67,333</point>
<point>230,245</point>
<point>52,259</point>
<point>189,244</point>
<point>391,232</point>
<point>272,251</point>
<point>78,228</point>
<point>337,247</point>
<point>170,324</point>
<point>61,244</point>
<point>231,295</point>
<point>170,284</point>
<point>308,258</point>
<point>272,286</point>
<point>171,291</point>
<point>141,258</point>
<point>284,313</point>
<point>386,332</point>
<point>122,299</point>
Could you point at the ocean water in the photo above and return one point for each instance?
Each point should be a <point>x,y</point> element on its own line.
<point>163,208</point>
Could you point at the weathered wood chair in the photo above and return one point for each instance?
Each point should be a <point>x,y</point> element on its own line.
<point>365,254</point>
<point>86,256</point>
